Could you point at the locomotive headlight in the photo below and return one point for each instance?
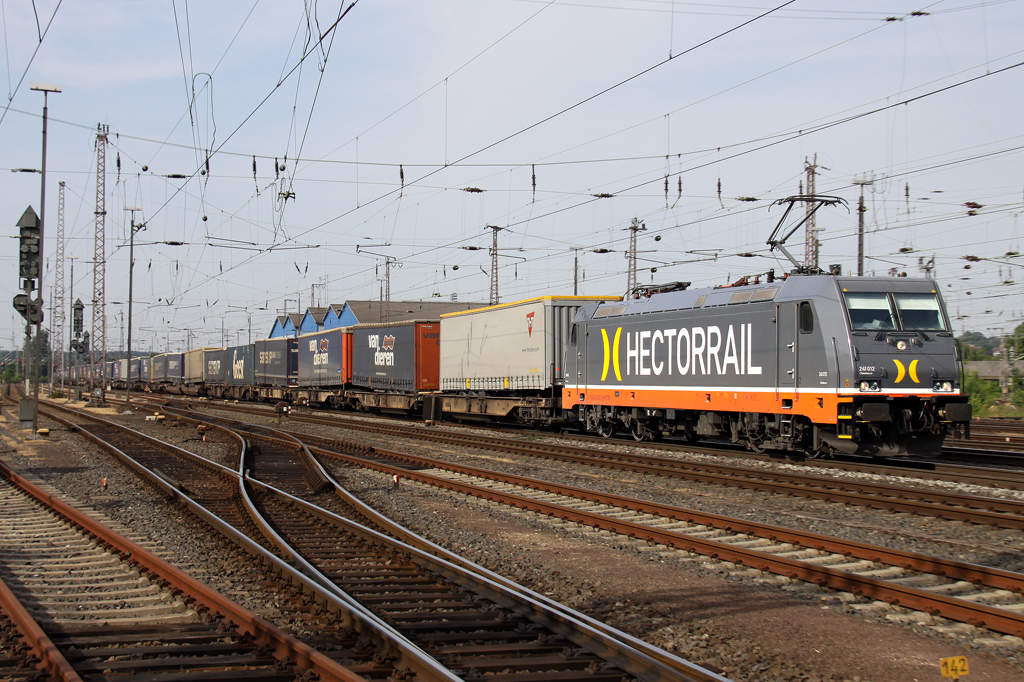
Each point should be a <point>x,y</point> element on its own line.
<point>870,386</point>
<point>901,345</point>
<point>942,386</point>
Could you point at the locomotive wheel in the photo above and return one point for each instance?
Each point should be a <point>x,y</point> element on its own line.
<point>605,429</point>
<point>754,446</point>
<point>640,432</point>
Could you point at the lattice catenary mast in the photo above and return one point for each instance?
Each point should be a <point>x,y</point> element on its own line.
<point>810,227</point>
<point>631,276</point>
<point>99,294</point>
<point>58,293</point>
<point>494,263</point>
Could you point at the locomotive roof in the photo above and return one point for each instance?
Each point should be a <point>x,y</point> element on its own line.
<point>791,288</point>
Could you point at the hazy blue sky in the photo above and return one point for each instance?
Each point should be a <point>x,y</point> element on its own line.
<point>489,94</point>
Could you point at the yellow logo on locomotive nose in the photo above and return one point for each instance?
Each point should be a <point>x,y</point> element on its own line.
<point>901,371</point>
<point>611,354</point>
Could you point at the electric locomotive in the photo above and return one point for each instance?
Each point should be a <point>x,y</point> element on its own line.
<point>813,363</point>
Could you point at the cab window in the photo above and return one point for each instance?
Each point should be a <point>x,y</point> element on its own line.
<point>920,312</point>
<point>806,318</point>
<point>572,335</point>
<point>869,311</point>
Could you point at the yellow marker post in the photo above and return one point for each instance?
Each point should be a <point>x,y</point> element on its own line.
<point>954,667</point>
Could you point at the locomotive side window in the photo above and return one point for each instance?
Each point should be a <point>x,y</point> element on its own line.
<point>572,335</point>
<point>806,318</point>
<point>920,312</point>
<point>870,311</point>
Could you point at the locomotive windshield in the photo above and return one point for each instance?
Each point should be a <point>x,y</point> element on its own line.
<point>877,311</point>
<point>870,311</point>
<point>920,312</point>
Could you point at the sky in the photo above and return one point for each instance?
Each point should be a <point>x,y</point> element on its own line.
<point>407,131</point>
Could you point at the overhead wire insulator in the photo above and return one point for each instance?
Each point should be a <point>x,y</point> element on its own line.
<point>277,172</point>
<point>533,170</point>
<point>680,195</point>
<point>401,175</point>
<point>666,191</point>
<point>720,192</point>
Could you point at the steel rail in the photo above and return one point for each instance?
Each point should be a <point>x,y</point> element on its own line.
<point>284,646</point>
<point>927,470</point>
<point>51,660</point>
<point>356,616</point>
<point>559,621</point>
<point>882,496</point>
<point>975,614</point>
<point>635,657</point>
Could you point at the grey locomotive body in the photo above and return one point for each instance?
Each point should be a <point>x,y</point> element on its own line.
<point>812,363</point>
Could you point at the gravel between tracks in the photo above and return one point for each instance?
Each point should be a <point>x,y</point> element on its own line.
<point>690,605</point>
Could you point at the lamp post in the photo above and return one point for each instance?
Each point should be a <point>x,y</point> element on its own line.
<point>46,90</point>
<point>131,272</point>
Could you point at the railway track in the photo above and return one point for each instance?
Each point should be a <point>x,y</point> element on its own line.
<point>91,604</point>
<point>465,625</point>
<point>977,595</point>
<point>887,497</point>
<point>927,470</point>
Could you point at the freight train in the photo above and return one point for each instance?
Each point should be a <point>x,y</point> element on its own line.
<point>817,364</point>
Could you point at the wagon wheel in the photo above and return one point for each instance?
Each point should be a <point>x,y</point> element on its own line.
<point>605,429</point>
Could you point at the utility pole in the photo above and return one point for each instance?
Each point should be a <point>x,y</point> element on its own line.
<point>810,226</point>
<point>494,263</point>
<point>861,210</point>
<point>46,90</point>
<point>132,229</point>
<point>635,227</point>
<point>76,321</point>
<point>99,273</point>
<point>576,272</point>
<point>388,262</point>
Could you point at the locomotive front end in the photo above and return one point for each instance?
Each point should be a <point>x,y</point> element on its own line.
<point>904,395</point>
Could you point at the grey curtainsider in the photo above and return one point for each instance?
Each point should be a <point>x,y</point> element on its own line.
<point>215,366</point>
<point>240,370</point>
<point>275,362</point>
<point>509,347</point>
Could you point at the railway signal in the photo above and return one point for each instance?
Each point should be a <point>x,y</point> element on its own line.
<point>31,310</point>
<point>28,253</point>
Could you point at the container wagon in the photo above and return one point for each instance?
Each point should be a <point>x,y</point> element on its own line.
<point>505,362</point>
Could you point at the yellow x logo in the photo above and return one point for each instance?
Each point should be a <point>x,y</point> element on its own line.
<point>901,371</point>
